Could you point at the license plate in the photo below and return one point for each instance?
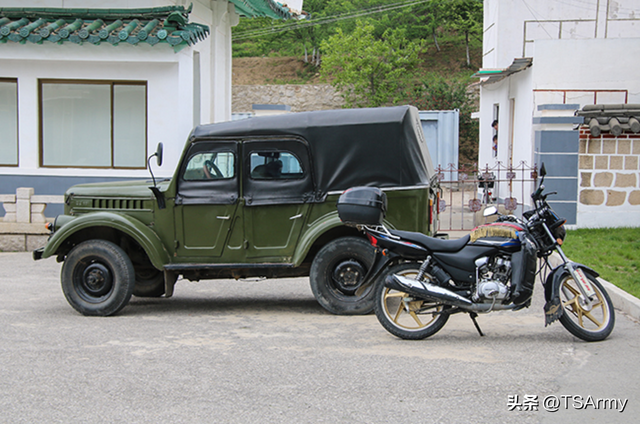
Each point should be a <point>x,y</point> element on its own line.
<point>584,282</point>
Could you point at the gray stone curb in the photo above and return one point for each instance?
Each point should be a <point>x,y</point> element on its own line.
<point>622,300</point>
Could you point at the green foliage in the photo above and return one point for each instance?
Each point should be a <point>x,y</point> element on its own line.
<point>369,71</point>
<point>612,252</point>
<point>435,92</point>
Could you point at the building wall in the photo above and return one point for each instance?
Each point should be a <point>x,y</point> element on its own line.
<point>576,49</point>
<point>184,89</point>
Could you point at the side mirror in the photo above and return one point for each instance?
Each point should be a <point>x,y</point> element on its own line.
<point>158,154</point>
<point>490,210</point>
<point>543,171</point>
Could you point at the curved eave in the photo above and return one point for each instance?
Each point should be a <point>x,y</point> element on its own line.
<point>152,26</point>
<point>262,8</point>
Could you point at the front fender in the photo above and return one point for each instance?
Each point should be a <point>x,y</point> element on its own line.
<point>142,234</point>
<point>553,308</point>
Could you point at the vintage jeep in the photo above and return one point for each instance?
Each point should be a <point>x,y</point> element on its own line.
<point>251,198</point>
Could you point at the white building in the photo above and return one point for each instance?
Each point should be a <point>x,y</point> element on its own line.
<point>87,92</point>
<point>544,60</point>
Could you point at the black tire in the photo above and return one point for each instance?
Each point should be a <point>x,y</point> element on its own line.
<point>390,308</point>
<point>591,325</point>
<point>97,278</point>
<point>337,274</point>
<point>149,282</point>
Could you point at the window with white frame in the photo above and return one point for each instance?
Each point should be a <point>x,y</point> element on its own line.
<point>8,122</point>
<point>94,124</point>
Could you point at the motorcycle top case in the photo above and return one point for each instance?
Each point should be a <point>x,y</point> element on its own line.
<point>362,206</point>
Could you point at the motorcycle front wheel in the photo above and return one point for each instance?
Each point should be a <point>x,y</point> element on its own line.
<point>590,323</point>
<point>403,315</point>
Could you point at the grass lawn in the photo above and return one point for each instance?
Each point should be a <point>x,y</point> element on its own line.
<point>613,252</point>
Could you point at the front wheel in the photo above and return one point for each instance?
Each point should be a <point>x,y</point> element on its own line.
<point>97,278</point>
<point>403,315</point>
<point>337,276</point>
<point>590,323</point>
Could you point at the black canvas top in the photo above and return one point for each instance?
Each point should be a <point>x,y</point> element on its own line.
<point>381,147</point>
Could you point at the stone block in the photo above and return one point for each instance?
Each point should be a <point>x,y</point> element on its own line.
<point>591,197</point>
<point>634,198</point>
<point>616,162</point>
<point>594,147</point>
<point>586,162</point>
<point>12,242</point>
<point>585,179</point>
<point>602,162</point>
<point>603,179</point>
<point>609,146</point>
<point>631,163</point>
<point>624,147</point>
<point>625,180</point>
<point>636,147</point>
<point>34,242</point>
<point>615,198</point>
<point>10,212</point>
<point>582,148</point>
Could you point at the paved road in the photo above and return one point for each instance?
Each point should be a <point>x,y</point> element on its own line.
<point>243,352</point>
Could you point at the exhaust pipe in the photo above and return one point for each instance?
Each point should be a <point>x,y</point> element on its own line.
<point>428,291</point>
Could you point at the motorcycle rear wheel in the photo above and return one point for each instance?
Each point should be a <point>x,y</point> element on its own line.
<point>590,324</point>
<point>403,315</point>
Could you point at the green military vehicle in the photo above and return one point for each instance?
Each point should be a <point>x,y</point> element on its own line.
<point>250,198</point>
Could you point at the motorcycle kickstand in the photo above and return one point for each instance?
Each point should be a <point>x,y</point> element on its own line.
<point>473,316</point>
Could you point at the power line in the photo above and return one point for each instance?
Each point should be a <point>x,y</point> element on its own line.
<point>325,20</point>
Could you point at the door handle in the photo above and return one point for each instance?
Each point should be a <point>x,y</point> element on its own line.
<point>296,216</point>
<point>223,217</point>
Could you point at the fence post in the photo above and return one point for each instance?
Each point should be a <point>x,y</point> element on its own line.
<point>23,204</point>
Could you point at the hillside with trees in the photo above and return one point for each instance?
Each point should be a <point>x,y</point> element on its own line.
<point>378,53</point>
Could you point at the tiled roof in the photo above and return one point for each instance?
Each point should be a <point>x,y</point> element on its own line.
<point>262,8</point>
<point>155,25</point>
<point>489,76</point>
<point>612,118</point>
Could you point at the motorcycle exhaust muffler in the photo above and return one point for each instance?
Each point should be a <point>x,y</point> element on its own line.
<point>427,290</point>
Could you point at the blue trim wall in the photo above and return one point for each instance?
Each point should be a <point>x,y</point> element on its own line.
<point>556,146</point>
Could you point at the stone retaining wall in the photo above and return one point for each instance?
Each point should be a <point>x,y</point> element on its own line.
<point>299,97</point>
<point>609,168</point>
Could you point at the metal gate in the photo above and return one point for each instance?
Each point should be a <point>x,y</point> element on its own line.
<point>466,191</point>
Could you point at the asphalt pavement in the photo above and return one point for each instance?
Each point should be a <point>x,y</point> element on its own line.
<point>266,352</point>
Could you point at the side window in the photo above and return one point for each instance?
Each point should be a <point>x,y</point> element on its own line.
<point>275,166</point>
<point>206,166</point>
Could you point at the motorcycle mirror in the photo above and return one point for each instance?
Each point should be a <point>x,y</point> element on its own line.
<point>543,171</point>
<point>490,210</point>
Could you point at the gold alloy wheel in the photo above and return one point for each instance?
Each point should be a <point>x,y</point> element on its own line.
<point>408,313</point>
<point>592,318</point>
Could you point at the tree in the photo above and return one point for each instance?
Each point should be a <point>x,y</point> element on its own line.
<point>369,72</point>
<point>465,16</point>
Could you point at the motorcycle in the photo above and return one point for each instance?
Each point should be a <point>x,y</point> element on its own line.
<point>420,281</point>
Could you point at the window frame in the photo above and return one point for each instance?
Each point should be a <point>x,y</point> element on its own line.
<point>111,84</point>
<point>17,163</point>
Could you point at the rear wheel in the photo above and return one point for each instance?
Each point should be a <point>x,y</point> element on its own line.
<point>337,276</point>
<point>403,315</point>
<point>590,323</point>
<point>97,278</point>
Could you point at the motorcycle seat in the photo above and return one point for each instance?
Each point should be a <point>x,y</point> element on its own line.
<point>433,243</point>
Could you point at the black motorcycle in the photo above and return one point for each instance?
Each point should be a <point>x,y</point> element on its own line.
<point>420,281</point>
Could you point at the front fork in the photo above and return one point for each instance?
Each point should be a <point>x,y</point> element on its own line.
<point>584,285</point>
